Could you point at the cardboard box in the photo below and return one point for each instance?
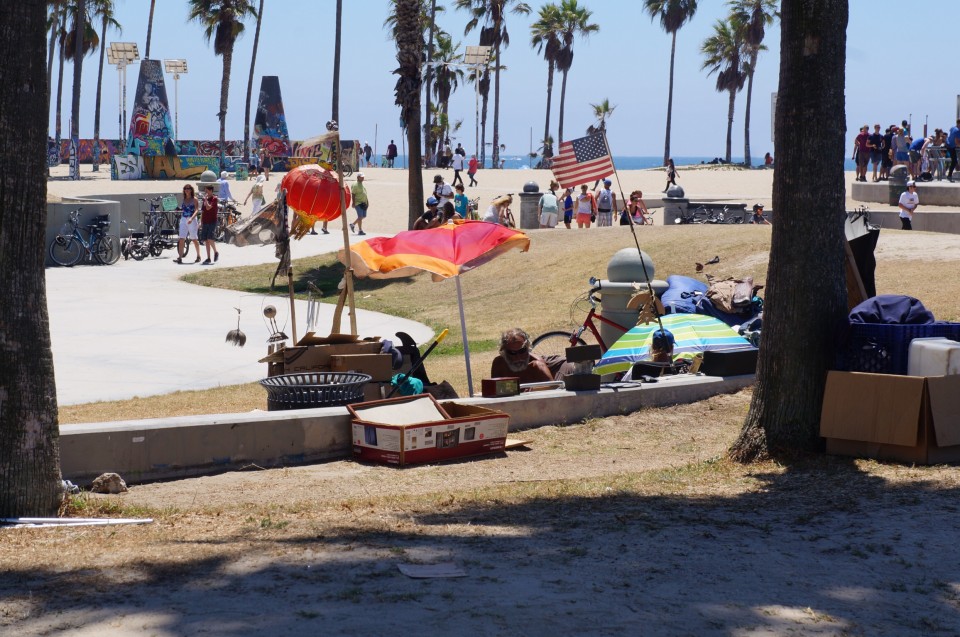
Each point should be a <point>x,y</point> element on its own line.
<point>379,366</point>
<point>316,358</point>
<point>418,429</point>
<point>888,417</point>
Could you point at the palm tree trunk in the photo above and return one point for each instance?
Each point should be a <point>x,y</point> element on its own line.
<point>496,105</point>
<point>146,53</point>
<point>427,116</point>
<point>483,121</point>
<point>29,445</point>
<point>335,106</point>
<point>59,125</point>
<point>253,64</point>
<point>666,139</point>
<point>224,94</point>
<point>546,123</point>
<point>733,98</point>
<point>77,77</point>
<point>746,118</point>
<point>96,112</point>
<point>54,29</point>
<point>563,101</point>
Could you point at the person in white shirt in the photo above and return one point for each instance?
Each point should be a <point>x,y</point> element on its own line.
<point>908,205</point>
<point>443,192</point>
<point>458,165</point>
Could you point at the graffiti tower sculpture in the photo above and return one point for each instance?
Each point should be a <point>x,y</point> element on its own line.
<point>151,128</point>
<point>270,125</point>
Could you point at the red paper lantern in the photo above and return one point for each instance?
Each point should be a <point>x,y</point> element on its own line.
<point>313,193</point>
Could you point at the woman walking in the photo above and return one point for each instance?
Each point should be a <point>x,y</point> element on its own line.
<point>671,175</point>
<point>257,193</point>
<point>188,224</point>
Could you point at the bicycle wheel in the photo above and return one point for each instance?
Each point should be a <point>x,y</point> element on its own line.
<point>65,251</point>
<point>554,344</point>
<point>107,250</point>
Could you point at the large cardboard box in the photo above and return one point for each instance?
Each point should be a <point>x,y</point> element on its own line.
<point>418,429</point>
<point>379,366</point>
<point>316,358</point>
<point>888,417</point>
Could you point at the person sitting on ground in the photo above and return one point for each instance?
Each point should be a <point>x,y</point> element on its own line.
<point>450,212</point>
<point>431,218</point>
<point>516,358</point>
<point>758,217</point>
<point>636,208</point>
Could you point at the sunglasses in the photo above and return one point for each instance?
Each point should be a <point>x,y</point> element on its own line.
<point>516,352</point>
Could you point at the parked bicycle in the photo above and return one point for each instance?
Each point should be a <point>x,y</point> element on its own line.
<point>92,242</point>
<point>226,216</point>
<point>556,342</point>
<point>704,215</point>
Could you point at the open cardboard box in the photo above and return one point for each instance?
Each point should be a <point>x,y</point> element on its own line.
<point>889,417</point>
<point>418,429</point>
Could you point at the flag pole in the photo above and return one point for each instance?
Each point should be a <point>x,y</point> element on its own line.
<point>633,231</point>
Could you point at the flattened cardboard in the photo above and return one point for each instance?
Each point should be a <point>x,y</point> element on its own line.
<point>378,366</point>
<point>888,417</point>
<point>316,358</point>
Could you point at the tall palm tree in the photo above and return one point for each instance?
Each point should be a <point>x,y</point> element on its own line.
<point>335,92</point>
<point>723,56</point>
<point>104,10</point>
<point>222,22</point>
<point>448,78</point>
<point>753,16</point>
<point>30,481</point>
<point>253,64</point>
<point>55,24</point>
<point>602,111</point>
<point>545,38</point>
<point>482,80</point>
<point>59,28</point>
<point>576,21</point>
<point>493,14</point>
<point>408,34</point>
<point>81,41</point>
<point>673,15</point>
<point>146,53</point>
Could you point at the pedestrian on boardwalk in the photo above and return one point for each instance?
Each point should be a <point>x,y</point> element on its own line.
<point>606,204</point>
<point>208,224</point>
<point>457,162</point>
<point>671,175</point>
<point>224,193</point>
<point>908,206</point>
<point>189,209</point>
<point>257,193</point>
<point>361,203</point>
<point>568,207</point>
<point>472,167</point>
<point>548,207</point>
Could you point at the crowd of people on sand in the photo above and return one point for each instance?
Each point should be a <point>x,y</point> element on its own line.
<point>924,156</point>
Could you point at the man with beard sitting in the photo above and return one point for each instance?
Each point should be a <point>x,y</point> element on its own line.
<point>517,359</point>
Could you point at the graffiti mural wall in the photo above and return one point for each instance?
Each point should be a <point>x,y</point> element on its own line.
<point>151,127</point>
<point>270,125</point>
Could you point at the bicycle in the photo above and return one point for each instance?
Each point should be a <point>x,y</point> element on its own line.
<point>556,342</point>
<point>227,215</point>
<point>70,246</point>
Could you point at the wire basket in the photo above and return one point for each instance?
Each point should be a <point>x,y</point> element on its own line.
<point>314,389</point>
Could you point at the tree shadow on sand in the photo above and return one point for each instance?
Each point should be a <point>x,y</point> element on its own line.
<point>821,548</point>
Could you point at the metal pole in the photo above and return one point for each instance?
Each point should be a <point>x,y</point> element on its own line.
<point>120,101</point>
<point>124,104</point>
<point>176,108</point>
<point>463,337</point>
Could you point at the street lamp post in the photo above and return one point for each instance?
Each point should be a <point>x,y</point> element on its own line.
<point>121,54</point>
<point>477,57</point>
<point>176,67</point>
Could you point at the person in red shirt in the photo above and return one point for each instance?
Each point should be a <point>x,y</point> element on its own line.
<point>208,224</point>
<point>472,167</point>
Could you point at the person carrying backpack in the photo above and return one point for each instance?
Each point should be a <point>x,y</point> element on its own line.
<point>606,204</point>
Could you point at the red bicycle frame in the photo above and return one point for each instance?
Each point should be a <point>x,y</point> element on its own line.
<point>588,323</point>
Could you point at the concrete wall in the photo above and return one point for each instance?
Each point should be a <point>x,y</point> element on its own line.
<point>931,193</point>
<point>168,448</point>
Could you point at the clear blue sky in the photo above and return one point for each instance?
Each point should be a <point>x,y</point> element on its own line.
<point>627,62</point>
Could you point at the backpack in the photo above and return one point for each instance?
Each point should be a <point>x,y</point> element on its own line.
<point>604,200</point>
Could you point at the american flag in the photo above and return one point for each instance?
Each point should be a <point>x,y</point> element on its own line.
<point>582,160</point>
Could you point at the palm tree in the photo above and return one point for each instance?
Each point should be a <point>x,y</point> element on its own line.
<point>493,13</point>
<point>335,92</point>
<point>753,16</point>
<point>602,112</point>
<point>103,9</point>
<point>30,481</point>
<point>223,23</point>
<point>408,34</point>
<point>82,40</point>
<point>723,54</point>
<point>448,78</point>
<point>545,38</point>
<point>673,15</point>
<point>253,64</point>
<point>576,21</point>
<point>56,23</point>
<point>146,53</point>
<point>482,80</point>
<point>58,35</point>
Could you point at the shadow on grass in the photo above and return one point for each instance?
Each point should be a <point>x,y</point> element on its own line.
<point>820,549</point>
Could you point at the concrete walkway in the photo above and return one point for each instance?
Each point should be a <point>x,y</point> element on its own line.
<point>133,329</point>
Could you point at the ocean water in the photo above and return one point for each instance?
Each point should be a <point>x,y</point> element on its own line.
<point>522,162</point>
